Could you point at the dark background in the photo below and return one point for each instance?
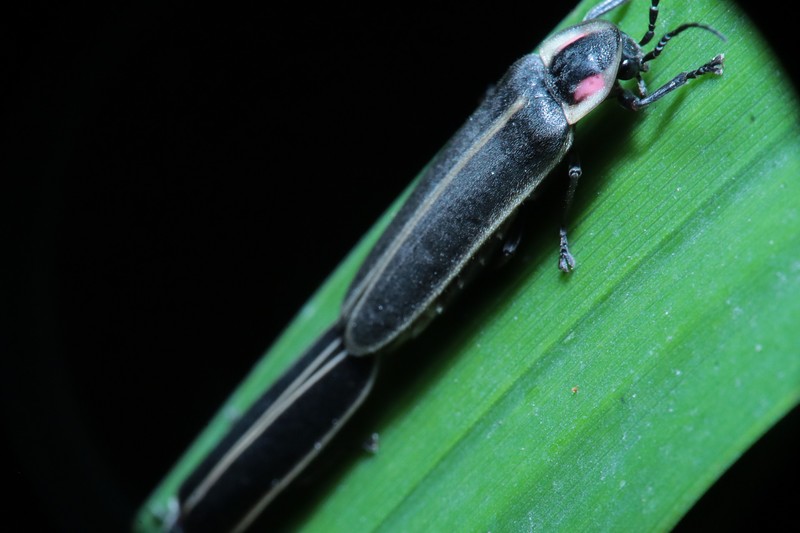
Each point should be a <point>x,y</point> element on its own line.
<point>179,179</point>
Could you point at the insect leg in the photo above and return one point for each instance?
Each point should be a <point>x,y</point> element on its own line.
<point>655,52</point>
<point>566,262</point>
<point>514,235</point>
<point>634,103</point>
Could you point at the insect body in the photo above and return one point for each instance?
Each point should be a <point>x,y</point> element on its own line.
<point>467,197</point>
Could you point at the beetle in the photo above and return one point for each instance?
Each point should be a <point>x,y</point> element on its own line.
<point>458,215</point>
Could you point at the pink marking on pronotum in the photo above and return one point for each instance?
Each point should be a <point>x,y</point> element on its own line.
<point>588,87</point>
<point>574,38</point>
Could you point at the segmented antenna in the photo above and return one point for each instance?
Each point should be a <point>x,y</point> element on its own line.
<point>651,28</point>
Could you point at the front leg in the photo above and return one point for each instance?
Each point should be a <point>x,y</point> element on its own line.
<point>635,103</point>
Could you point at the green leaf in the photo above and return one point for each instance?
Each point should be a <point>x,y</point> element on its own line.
<point>614,397</point>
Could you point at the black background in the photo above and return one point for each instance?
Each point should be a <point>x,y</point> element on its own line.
<point>179,179</point>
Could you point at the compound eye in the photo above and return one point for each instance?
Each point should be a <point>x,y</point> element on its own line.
<point>628,70</point>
